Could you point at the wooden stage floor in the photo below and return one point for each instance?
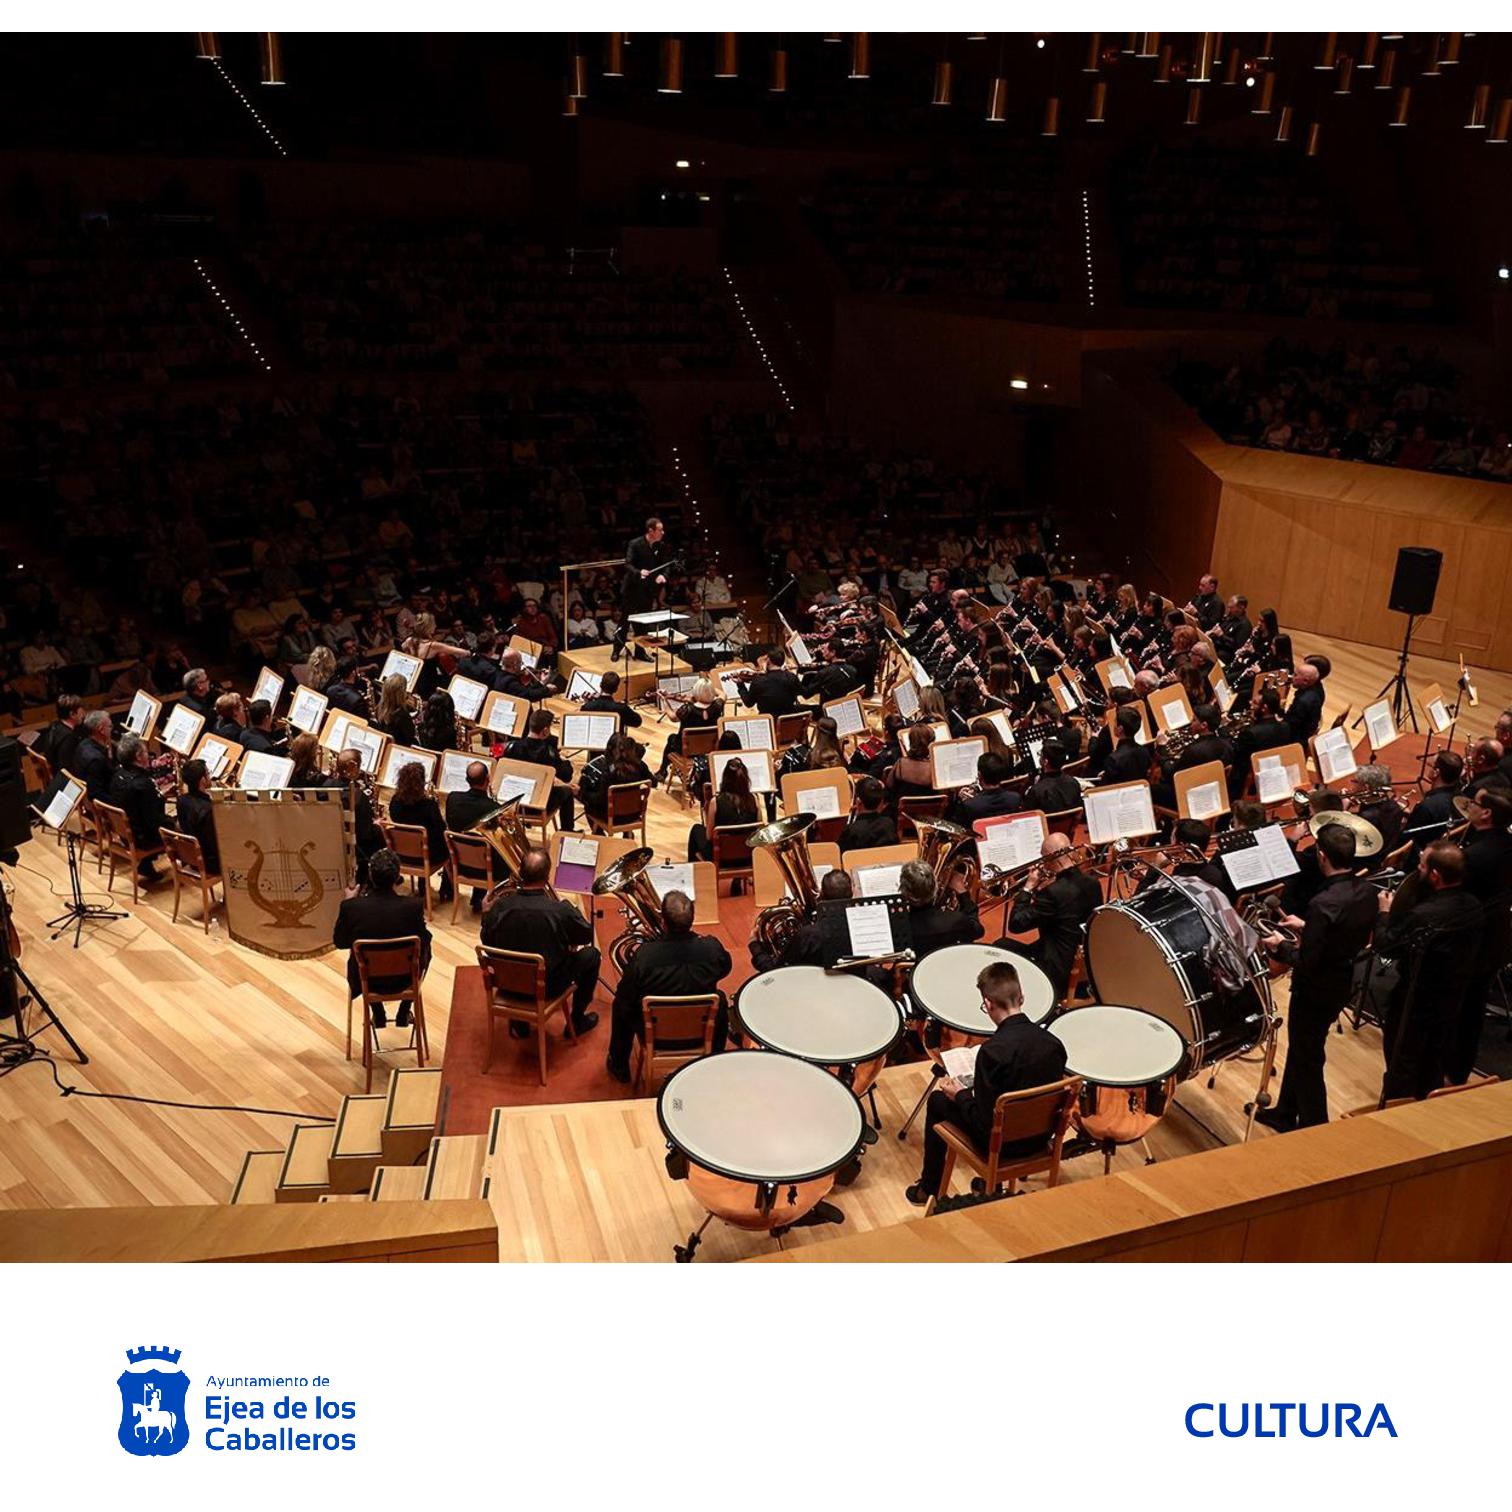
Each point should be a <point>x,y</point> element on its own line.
<point>171,1014</point>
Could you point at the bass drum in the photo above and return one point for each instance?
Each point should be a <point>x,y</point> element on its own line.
<point>1150,952</point>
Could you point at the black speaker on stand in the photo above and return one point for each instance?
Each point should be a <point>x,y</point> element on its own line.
<point>1414,585</point>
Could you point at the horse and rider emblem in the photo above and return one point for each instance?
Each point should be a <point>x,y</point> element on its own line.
<point>153,1389</point>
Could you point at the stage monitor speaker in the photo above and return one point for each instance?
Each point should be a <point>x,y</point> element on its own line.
<point>15,818</point>
<point>1416,580</point>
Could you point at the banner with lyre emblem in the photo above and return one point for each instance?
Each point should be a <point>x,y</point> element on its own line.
<point>286,859</point>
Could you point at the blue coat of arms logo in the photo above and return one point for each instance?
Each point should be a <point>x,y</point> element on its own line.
<point>153,1388</point>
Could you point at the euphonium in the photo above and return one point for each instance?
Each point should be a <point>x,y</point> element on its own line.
<point>507,836</point>
<point>940,845</point>
<point>787,842</point>
<point>626,880</point>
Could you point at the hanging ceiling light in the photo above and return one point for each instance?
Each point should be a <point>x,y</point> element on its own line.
<point>1163,68</point>
<point>1387,71</point>
<point>614,56</point>
<point>1344,77</point>
<point>671,78</point>
<point>1094,53</point>
<point>1194,107</point>
<point>1501,123</point>
<point>1327,52</point>
<point>944,83</point>
<point>1452,49</point>
<point>1149,45</point>
<point>1231,72</point>
<point>1368,50</point>
<point>777,71</point>
<point>1051,125</point>
<point>997,101</point>
<point>1131,44</point>
<point>1400,106</point>
<point>1262,105</point>
<point>1314,138</point>
<point>1097,110</point>
<point>272,59</point>
<point>571,109</point>
<point>976,36</point>
<point>860,57</point>
<point>577,76</point>
<point>727,56</point>
<point>207,45</point>
<point>1480,108</point>
<point>1267,53</point>
<point>1202,65</point>
<point>833,37</point>
<point>1284,125</point>
<point>1435,57</point>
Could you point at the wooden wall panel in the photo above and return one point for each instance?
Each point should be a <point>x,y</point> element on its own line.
<point>1343,1228</point>
<point>1454,1215</point>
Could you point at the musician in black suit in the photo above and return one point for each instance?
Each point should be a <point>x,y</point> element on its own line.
<point>871,825</point>
<point>1304,714</point>
<point>1435,811</point>
<point>1207,745</point>
<point>381,913</point>
<point>511,678</point>
<point>198,697</point>
<point>196,813</point>
<point>641,580</point>
<point>1053,791</point>
<point>809,944</point>
<point>1488,879</point>
<point>364,822</point>
<point>1234,628</point>
<point>258,735</point>
<point>532,921</point>
<point>93,762</point>
<point>1207,606</point>
<point>59,742</point>
<point>1019,1055</point>
<point>773,690</point>
<point>1128,761</point>
<point>132,789</point>
<point>1340,918</point>
<point>606,702</point>
<point>342,693</point>
<point>1485,767</point>
<point>230,718</point>
<point>1057,901</point>
<point>465,808</point>
<point>991,799</point>
<point>1192,833</point>
<point>832,677</point>
<point>932,927</point>
<point>483,664</point>
<point>680,964</point>
<point>1431,929</point>
<point>1266,732</point>
<point>539,745</point>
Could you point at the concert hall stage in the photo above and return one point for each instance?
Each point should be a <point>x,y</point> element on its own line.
<point>641,677</point>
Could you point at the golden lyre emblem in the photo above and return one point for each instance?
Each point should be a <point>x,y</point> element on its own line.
<point>291,887</point>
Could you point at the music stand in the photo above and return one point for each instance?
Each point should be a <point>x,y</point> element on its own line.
<point>830,916</point>
<point>57,816</point>
<point>649,623</point>
<point>12,1053</point>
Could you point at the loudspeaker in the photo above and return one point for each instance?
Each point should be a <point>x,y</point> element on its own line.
<point>1416,579</point>
<point>15,820</point>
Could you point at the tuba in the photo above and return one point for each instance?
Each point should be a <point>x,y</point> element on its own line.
<point>940,846</point>
<point>787,841</point>
<point>626,880</point>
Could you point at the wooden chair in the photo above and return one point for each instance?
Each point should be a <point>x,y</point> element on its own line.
<point>390,961</point>
<point>791,728</point>
<point>685,1027</point>
<point>1477,1081</point>
<point>1031,1113</point>
<point>698,741</point>
<point>412,846</point>
<point>925,806</point>
<point>92,831</point>
<point>516,985</point>
<point>732,856</point>
<point>186,858</point>
<point>626,811</point>
<point>469,863</point>
<point>1064,822</point>
<point>37,770</point>
<point>118,839</point>
<point>1077,768</point>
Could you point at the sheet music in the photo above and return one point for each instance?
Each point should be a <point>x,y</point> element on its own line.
<point>879,881</point>
<point>1035,747</point>
<point>182,729</point>
<point>1119,813</point>
<point>269,685</point>
<point>728,684</point>
<point>753,734</point>
<point>502,717</point>
<point>1205,801</point>
<point>454,765</point>
<point>801,653</point>
<point>1271,841</point>
<point>341,728</point>
<point>849,720</point>
<point>1273,779</point>
<point>263,770</point>
<point>675,687</point>
<point>1439,715</point>
<point>821,802</point>
<point>758,765</point>
<point>55,815</point>
<point>999,718</point>
<point>579,850</point>
<point>408,667</point>
<point>587,732</point>
<point>528,659</point>
<point>1248,867</point>
<point>1379,725</point>
<point>368,744</point>
<point>907,696</point>
<point>1335,759</point>
<point>1118,676</point>
<point>215,753</point>
<point>672,877</point>
<point>870,928</point>
<point>961,1064</point>
<point>513,785</point>
<point>1174,712</point>
<point>399,757</point>
<point>585,684</point>
<point>1011,843</point>
<point>139,715</point>
<point>467,695</point>
<point>307,710</point>
<point>956,763</point>
<point>1223,695</point>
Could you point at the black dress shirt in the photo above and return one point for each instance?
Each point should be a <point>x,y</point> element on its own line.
<point>1058,911</point>
<point>1128,761</point>
<point>868,830</point>
<point>1305,713</point>
<point>530,921</point>
<point>601,703</point>
<point>1019,1055</point>
<point>686,965</point>
<point>195,816</point>
<point>1054,794</point>
<point>1338,924</point>
<point>773,693</point>
<point>93,765</point>
<point>134,791</point>
<point>933,928</point>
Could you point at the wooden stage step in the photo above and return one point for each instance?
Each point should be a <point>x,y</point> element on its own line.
<point>455,1167</point>
<point>257,1180</point>
<point>357,1145</point>
<point>412,1104</point>
<point>306,1165</point>
<point>399,1184</point>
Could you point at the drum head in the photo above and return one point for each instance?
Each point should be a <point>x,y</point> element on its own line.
<point>1130,963</point>
<point>1118,1047</point>
<point>754,1116</point>
<point>830,1018</point>
<point>944,986</point>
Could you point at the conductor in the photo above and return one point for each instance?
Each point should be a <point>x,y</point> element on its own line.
<point>642,579</point>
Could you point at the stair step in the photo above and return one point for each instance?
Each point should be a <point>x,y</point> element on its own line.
<point>357,1146</point>
<point>257,1181</point>
<point>344,1197</point>
<point>306,1168</point>
<point>409,1118</point>
<point>399,1184</point>
<point>455,1167</point>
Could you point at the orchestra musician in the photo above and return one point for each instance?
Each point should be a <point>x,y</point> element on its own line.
<point>1128,761</point>
<point>1233,629</point>
<point>381,912</point>
<point>464,808</point>
<point>871,825</point>
<point>1207,607</point>
<point>1485,767</point>
<point>1488,879</point>
<point>678,964</point>
<point>194,814</point>
<point>832,676</point>
<point>258,735</point>
<point>618,764</point>
<point>1053,791</point>
<point>808,944</point>
<point>58,744</point>
<point>605,701</point>
<point>1267,731</point>
<point>1208,745</point>
<point>702,709</point>
<point>1304,714</point>
<point>519,682</point>
<point>1340,917</point>
<point>1435,810</point>
<point>198,696</point>
<point>530,920</point>
<point>1378,806</point>
<point>1057,900</point>
<point>230,718</point>
<point>1020,1054</point>
<point>133,790</point>
<point>539,745</point>
<point>343,693</point>
<point>733,804</point>
<point>304,752</point>
<point>393,716</point>
<point>369,840</point>
<point>992,797</point>
<point>1431,931</point>
<point>641,580</point>
<point>481,664</point>
<point>1192,833</point>
<point>774,690</point>
<point>413,804</point>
